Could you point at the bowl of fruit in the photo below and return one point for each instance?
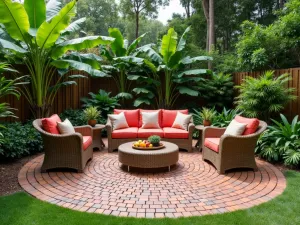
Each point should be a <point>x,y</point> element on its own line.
<point>153,143</point>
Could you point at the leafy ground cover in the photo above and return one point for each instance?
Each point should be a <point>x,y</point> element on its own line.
<point>20,208</point>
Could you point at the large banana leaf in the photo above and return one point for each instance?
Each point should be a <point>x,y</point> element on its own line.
<point>182,41</point>
<point>36,11</point>
<point>130,59</point>
<point>52,8</point>
<point>141,100</point>
<point>117,46</point>
<point>187,91</point>
<point>49,32</point>
<point>4,35</point>
<point>168,45</point>
<point>150,52</point>
<point>11,46</point>
<point>192,72</point>
<point>65,64</point>
<point>91,59</point>
<point>15,19</point>
<point>74,26</point>
<point>134,44</point>
<point>189,60</point>
<point>79,44</point>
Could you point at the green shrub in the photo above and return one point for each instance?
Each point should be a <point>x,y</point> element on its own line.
<point>20,140</point>
<point>75,116</point>
<point>281,142</point>
<point>217,90</point>
<point>260,97</point>
<point>224,118</point>
<point>103,101</point>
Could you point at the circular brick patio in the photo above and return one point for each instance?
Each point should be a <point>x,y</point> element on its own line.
<point>191,188</point>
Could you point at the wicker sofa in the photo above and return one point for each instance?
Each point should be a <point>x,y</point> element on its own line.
<point>233,151</point>
<point>66,150</point>
<point>179,137</point>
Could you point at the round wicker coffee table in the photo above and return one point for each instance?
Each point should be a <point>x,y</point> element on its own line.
<point>165,157</point>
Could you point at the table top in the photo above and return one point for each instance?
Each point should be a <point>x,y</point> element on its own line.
<point>98,127</point>
<point>169,148</point>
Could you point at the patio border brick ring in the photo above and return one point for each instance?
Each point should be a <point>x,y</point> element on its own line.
<point>191,188</point>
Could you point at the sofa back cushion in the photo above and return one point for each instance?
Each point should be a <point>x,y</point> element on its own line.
<point>169,116</point>
<point>252,124</point>
<point>50,124</point>
<point>132,116</point>
<point>150,120</point>
<point>146,110</point>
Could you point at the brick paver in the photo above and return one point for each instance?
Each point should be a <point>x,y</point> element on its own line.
<point>192,187</point>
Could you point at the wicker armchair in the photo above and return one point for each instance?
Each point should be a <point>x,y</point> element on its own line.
<point>65,150</point>
<point>234,151</point>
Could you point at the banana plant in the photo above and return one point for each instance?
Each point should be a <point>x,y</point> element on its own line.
<point>172,69</point>
<point>120,55</point>
<point>36,34</point>
<point>8,87</point>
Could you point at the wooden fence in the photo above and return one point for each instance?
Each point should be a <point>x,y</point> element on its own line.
<point>69,97</point>
<point>293,108</point>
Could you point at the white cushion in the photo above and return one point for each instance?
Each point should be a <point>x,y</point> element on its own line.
<point>150,120</point>
<point>235,128</point>
<point>65,127</point>
<point>118,121</point>
<point>182,121</point>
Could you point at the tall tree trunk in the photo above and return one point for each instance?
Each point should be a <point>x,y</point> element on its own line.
<point>205,6</point>
<point>211,25</point>
<point>281,3</point>
<point>137,24</point>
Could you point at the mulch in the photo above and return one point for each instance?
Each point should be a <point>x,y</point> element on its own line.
<point>9,174</point>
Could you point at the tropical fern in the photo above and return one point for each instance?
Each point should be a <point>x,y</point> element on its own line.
<point>260,97</point>
<point>217,90</point>
<point>281,142</point>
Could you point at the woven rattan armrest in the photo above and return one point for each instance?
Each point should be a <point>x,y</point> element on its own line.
<point>108,127</point>
<point>84,130</point>
<point>213,132</point>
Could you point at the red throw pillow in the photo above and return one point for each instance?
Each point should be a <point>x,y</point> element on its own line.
<point>132,116</point>
<point>50,124</point>
<point>252,124</point>
<point>159,116</point>
<point>169,116</point>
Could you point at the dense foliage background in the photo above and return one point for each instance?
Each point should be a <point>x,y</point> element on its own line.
<point>252,27</point>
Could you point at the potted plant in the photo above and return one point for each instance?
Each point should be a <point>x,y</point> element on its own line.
<point>207,115</point>
<point>154,140</point>
<point>92,114</point>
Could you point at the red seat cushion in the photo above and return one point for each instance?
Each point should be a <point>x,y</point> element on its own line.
<point>212,143</point>
<point>125,133</point>
<point>252,124</point>
<point>159,116</point>
<point>50,124</point>
<point>132,116</point>
<point>170,132</point>
<point>169,116</point>
<point>87,141</point>
<point>145,133</point>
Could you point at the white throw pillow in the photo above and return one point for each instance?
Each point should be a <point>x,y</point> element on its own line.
<point>118,121</point>
<point>65,127</point>
<point>150,120</point>
<point>235,128</point>
<point>182,121</point>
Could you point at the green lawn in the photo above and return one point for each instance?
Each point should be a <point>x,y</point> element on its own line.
<point>22,209</point>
